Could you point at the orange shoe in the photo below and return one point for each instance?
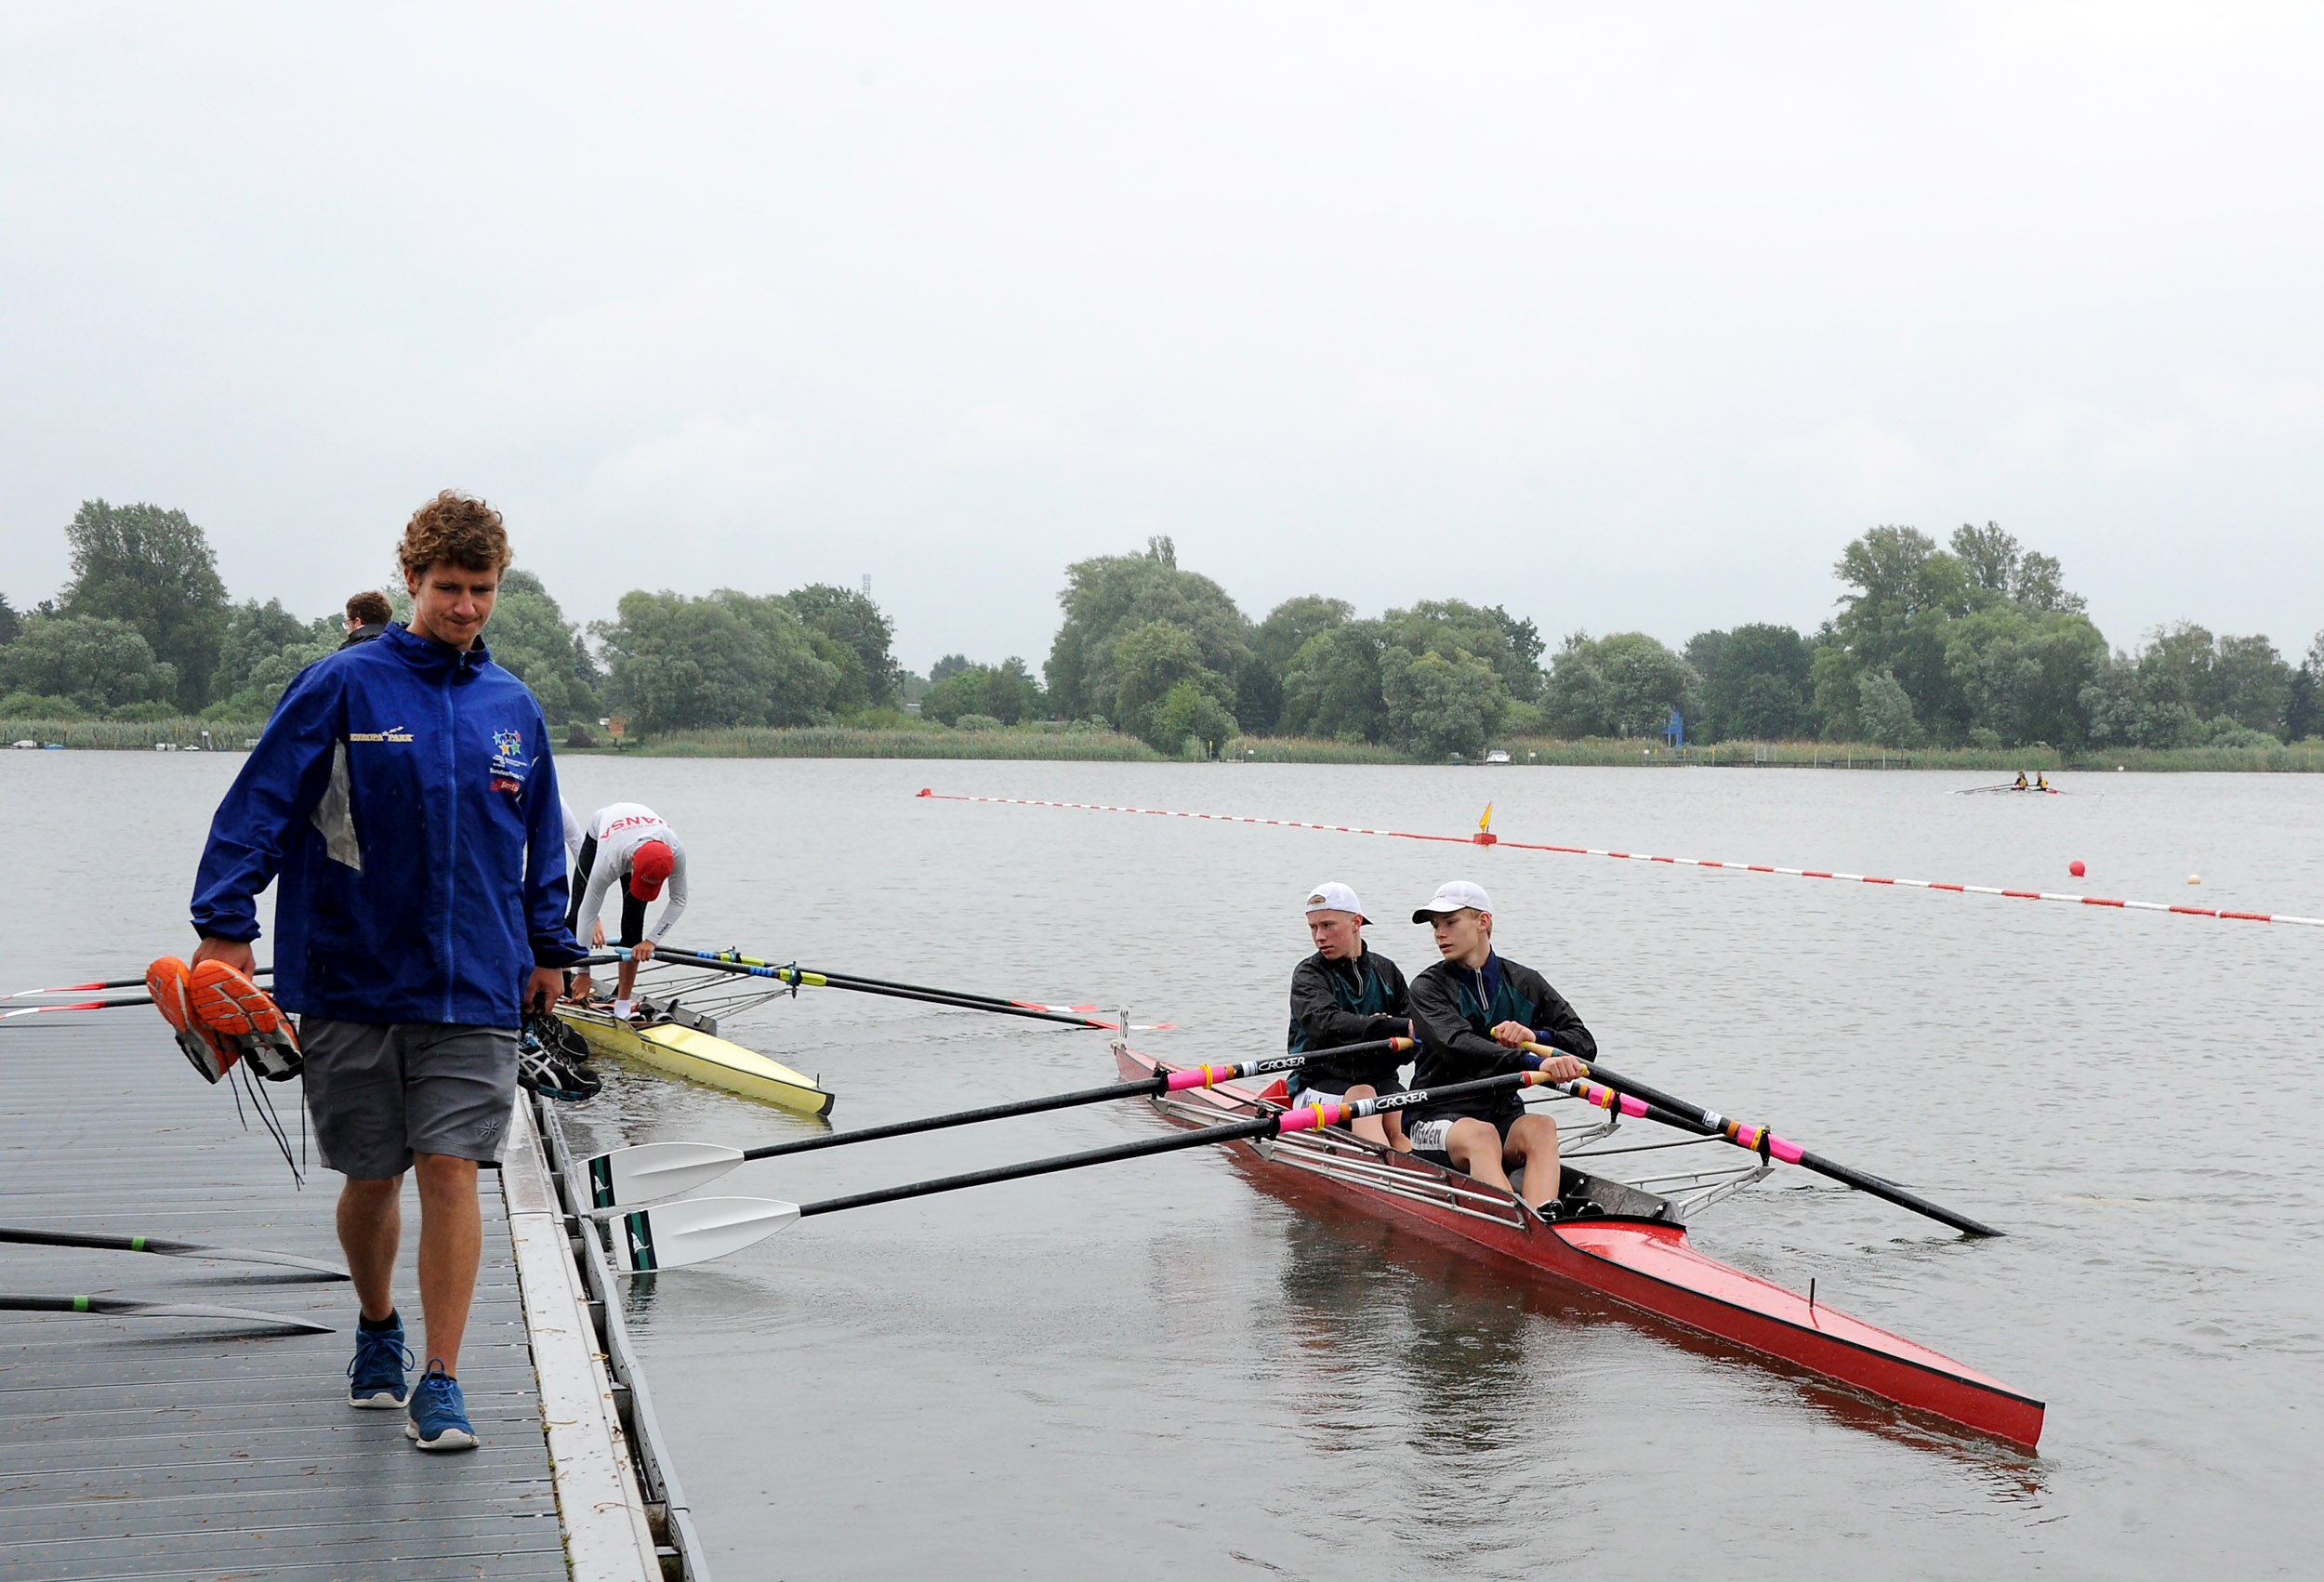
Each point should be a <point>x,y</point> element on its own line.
<point>170,984</point>
<point>235,1010</point>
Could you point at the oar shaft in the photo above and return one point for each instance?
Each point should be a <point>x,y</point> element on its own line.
<point>167,1248</point>
<point>76,1239</point>
<point>108,984</point>
<point>851,979</point>
<point>75,1005</point>
<point>1210,1076</point>
<point>1304,1118</point>
<point>966,1117</point>
<point>801,975</point>
<point>1711,1123</point>
<point>130,1307</point>
<point>1138,1150</point>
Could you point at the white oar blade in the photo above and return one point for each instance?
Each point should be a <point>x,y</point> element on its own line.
<point>699,1228</point>
<point>316,1267</point>
<point>652,1170</point>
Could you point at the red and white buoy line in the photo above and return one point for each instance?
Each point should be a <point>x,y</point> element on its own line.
<point>1486,838</point>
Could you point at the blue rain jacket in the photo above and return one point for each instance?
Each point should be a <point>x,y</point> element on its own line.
<point>405,794</point>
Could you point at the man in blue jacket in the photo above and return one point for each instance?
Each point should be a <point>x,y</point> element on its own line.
<point>404,795</point>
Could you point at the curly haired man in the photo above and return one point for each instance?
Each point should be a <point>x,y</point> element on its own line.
<point>403,794</point>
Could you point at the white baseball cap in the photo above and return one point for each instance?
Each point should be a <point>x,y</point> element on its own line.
<point>1335,898</point>
<point>1454,895</point>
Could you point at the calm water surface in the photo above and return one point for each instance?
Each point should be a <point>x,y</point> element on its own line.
<point>1156,1369</point>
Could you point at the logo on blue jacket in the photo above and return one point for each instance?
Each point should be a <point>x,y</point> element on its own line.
<point>510,764</point>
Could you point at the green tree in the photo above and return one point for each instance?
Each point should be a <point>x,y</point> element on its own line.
<point>1332,687</point>
<point>1757,681</point>
<point>1906,616</point>
<point>153,568</point>
<point>1436,705</point>
<point>1149,660</point>
<point>254,633</point>
<point>263,684</point>
<point>530,639</point>
<point>1188,711</point>
<point>10,622</point>
<point>1006,693</point>
<point>1622,685</point>
<point>950,664</point>
<point>1450,629</point>
<point>2021,672</point>
<point>2186,688</point>
<point>1907,591</point>
<point>2304,695</point>
<point>1339,683</point>
<point>2253,685</point>
<point>728,660</point>
<point>1886,711</point>
<point>1276,644</point>
<point>961,692</point>
<point>100,665</point>
<point>850,619</point>
<point>1108,596</point>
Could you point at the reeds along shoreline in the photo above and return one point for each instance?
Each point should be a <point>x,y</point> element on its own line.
<point>1052,743</point>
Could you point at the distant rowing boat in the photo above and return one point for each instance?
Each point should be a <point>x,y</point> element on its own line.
<point>1631,1246</point>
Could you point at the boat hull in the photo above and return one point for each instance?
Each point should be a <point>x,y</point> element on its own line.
<point>1639,1259</point>
<point>699,1057</point>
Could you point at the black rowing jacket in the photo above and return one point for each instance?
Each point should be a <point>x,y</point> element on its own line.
<point>1356,1001</point>
<point>1456,1009</point>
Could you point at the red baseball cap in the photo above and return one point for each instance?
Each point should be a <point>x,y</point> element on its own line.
<point>649,868</point>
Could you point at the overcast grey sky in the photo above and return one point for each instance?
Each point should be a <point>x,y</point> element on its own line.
<point>1623,316</point>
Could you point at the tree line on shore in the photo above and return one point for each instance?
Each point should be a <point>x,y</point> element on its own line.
<point>1974,643</point>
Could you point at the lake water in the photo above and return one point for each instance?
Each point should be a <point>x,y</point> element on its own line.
<point>1154,1369</point>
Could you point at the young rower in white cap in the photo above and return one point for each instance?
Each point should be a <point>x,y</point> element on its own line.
<point>1345,993</point>
<point>1474,1010</point>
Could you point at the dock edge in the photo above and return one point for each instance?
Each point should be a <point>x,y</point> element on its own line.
<point>625,1517</point>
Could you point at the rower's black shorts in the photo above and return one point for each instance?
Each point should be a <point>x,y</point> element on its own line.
<point>632,909</point>
<point>1428,1136</point>
<point>632,917</point>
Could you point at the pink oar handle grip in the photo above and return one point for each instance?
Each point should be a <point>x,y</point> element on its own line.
<point>1605,1098</point>
<point>1202,1076</point>
<point>1751,1137</point>
<point>1311,1118</point>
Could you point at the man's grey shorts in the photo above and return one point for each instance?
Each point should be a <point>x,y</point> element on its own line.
<point>380,1093</point>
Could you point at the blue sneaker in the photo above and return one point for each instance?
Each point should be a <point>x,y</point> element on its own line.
<point>438,1420</point>
<point>376,1376</point>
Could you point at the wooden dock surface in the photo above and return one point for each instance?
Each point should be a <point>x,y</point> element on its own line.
<point>197,1448</point>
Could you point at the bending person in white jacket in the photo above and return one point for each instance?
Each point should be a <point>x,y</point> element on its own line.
<point>627,841</point>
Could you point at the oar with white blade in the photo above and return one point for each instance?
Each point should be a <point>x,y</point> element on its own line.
<point>651,1170</point>
<point>125,1307</point>
<point>313,1266</point>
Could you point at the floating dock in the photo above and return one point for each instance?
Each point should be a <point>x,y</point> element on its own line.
<point>199,1448</point>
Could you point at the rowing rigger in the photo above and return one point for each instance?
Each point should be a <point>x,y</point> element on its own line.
<point>1657,1105</point>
